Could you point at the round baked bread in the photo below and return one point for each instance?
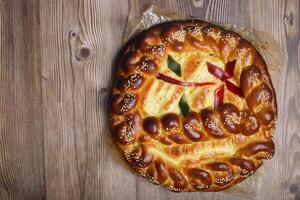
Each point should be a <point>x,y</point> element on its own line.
<point>193,107</point>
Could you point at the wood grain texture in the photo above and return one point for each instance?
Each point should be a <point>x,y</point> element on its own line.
<point>21,125</point>
<point>56,63</point>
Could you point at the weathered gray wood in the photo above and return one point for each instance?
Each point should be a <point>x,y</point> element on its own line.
<point>21,125</point>
<point>61,174</point>
<point>56,60</point>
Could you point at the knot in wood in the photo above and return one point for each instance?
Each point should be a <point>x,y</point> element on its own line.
<point>83,52</point>
<point>73,34</point>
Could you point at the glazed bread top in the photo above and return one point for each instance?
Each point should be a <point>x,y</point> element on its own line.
<point>193,107</point>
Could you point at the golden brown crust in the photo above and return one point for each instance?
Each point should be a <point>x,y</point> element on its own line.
<point>216,145</point>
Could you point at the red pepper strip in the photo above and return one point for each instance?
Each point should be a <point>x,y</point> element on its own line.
<point>171,80</point>
<point>229,68</point>
<point>234,89</point>
<point>219,96</point>
<point>216,71</point>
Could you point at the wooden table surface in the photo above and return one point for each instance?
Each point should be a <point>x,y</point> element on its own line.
<point>55,72</point>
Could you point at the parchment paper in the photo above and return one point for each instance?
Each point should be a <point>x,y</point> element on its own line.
<point>264,43</point>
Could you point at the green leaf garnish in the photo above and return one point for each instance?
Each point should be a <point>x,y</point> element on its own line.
<point>174,66</point>
<point>183,105</point>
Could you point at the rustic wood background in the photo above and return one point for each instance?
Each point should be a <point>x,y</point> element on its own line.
<point>55,71</point>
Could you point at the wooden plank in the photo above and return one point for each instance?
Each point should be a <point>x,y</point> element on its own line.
<point>283,22</point>
<point>21,136</point>
<point>61,173</point>
<point>79,163</point>
<point>102,25</point>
